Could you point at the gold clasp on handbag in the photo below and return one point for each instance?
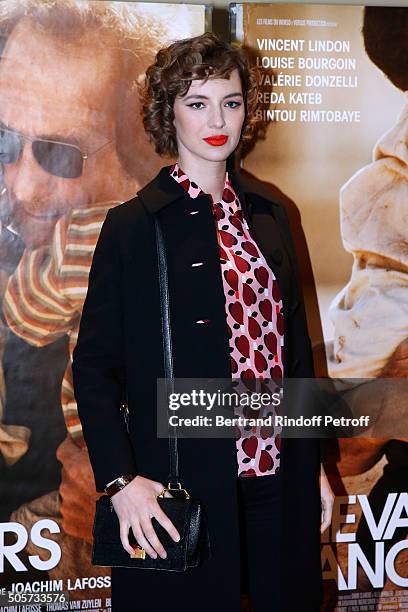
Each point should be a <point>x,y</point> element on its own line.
<point>170,488</point>
<point>138,553</point>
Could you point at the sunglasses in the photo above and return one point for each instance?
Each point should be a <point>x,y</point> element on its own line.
<point>58,158</point>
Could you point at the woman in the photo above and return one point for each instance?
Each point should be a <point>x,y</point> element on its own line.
<point>198,104</point>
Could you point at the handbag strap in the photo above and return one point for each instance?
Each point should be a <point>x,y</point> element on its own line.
<point>168,356</point>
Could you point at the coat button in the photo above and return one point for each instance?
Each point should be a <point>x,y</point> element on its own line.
<point>197,264</point>
<point>203,321</point>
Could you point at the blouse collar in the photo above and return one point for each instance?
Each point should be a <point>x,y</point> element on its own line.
<point>194,190</point>
<point>163,190</point>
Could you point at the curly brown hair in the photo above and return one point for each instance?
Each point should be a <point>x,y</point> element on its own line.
<point>171,74</point>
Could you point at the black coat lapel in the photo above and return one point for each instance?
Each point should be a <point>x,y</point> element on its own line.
<point>259,209</point>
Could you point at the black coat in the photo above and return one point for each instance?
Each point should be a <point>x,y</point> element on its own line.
<point>120,333</point>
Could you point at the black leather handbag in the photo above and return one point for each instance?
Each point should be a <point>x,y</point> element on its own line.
<point>187,514</point>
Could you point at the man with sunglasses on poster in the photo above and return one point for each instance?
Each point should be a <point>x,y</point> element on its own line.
<point>67,155</point>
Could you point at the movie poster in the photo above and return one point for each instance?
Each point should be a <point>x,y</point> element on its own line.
<point>71,146</point>
<point>334,106</point>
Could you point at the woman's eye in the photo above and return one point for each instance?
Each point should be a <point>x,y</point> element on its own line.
<point>194,104</point>
<point>230,104</point>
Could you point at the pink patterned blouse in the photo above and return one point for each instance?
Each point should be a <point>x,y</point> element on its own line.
<point>254,318</point>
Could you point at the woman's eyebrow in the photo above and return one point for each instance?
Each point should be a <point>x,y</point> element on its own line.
<point>201,97</point>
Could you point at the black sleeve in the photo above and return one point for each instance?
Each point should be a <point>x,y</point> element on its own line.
<point>300,331</point>
<point>304,367</point>
<point>98,364</point>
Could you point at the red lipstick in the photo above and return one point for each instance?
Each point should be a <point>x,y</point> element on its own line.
<point>216,141</point>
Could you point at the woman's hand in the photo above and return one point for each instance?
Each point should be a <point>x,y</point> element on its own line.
<point>136,504</point>
<point>327,500</point>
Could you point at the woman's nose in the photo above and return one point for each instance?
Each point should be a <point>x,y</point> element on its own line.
<point>217,119</point>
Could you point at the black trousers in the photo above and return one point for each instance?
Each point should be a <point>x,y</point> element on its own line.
<point>260,518</point>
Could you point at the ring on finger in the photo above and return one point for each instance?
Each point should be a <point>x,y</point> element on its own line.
<point>138,552</point>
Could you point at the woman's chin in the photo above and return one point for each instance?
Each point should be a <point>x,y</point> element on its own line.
<point>216,153</point>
